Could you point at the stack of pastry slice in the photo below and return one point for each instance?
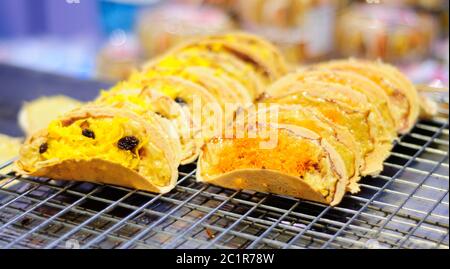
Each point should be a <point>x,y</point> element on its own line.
<point>402,95</point>
<point>312,134</point>
<point>210,78</point>
<point>140,131</point>
<point>333,123</point>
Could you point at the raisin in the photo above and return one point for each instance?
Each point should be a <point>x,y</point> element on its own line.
<point>43,148</point>
<point>180,101</point>
<point>25,222</point>
<point>128,143</point>
<point>88,133</point>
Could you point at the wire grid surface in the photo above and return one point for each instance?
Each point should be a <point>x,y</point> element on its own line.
<point>405,207</point>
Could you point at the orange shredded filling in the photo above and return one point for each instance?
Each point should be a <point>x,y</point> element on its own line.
<point>291,156</point>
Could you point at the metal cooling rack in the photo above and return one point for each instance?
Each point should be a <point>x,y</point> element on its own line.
<point>405,207</point>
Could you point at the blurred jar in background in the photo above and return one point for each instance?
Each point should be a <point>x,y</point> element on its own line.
<point>303,29</point>
<point>429,5</point>
<point>223,4</point>
<point>120,54</point>
<point>391,33</point>
<point>163,27</point>
<point>117,59</point>
<point>121,14</point>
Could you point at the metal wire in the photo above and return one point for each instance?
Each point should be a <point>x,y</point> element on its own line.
<point>404,207</point>
<point>383,188</point>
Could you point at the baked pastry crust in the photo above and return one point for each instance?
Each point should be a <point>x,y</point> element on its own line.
<point>91,168</point>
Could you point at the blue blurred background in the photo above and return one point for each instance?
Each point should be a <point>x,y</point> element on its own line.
<point>62,35</point>
<point>103,39</point>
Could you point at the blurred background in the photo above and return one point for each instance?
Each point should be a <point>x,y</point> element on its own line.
<point>106,39</point>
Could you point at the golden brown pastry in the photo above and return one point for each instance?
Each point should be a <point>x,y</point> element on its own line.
<point>105,145</point>
<point>220,62</point>
<point>339,137</point>
<point>300,164</point>
<point>374,93</point>
<point>344,107</point>
<point>401,92</point>
<point>265,59</point>
<point>142,101</point>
